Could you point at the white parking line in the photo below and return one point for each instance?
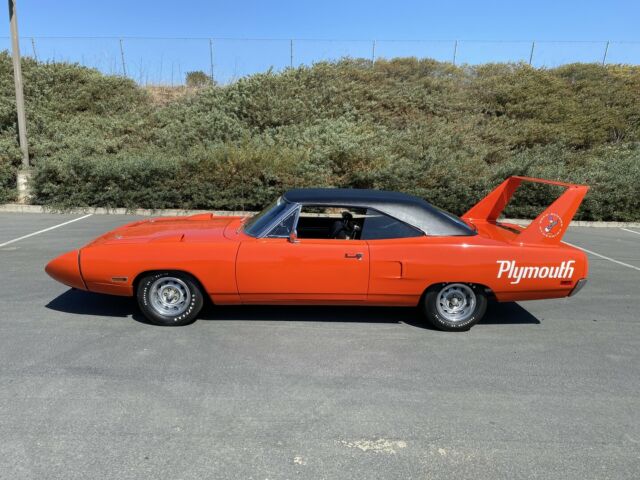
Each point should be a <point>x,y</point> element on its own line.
<point>631,231</point>
<point>43,230</point>
<point>605,257</point>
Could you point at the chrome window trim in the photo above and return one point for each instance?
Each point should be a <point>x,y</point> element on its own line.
<point>297,208</point>
<point>283,216</point>
<point>261,233</point>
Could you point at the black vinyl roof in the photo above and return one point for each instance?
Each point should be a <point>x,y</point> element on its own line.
<point>412,210</point>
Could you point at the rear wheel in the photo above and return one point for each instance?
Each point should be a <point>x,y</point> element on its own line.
<point>169,299</point>
<point>454,306</point>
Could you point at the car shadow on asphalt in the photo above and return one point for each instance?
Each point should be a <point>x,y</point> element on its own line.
<point>86,303</point>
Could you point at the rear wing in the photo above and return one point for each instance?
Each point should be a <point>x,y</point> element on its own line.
<point>548,227</point>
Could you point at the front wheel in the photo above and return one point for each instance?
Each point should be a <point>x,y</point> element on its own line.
<point>454,306</point>
<point>169,299</point>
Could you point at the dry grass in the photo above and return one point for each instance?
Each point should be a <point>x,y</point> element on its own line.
<point>163,94</point>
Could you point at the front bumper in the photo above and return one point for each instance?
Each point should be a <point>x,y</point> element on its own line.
<point>66,269</point>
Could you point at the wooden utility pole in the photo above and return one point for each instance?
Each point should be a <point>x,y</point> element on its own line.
<point>17,78</point>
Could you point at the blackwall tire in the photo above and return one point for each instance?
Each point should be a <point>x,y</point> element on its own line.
<point>169,298</point>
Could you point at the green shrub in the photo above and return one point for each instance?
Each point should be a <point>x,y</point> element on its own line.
<point>7,182</point>
<point>612,172</point>
<point>198,79</point>
<point>449,134</point>
<point>233,177</point>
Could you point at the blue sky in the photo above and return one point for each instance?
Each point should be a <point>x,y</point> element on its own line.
<point>437,23</point>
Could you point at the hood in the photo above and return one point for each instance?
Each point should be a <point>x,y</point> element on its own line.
<point>202,227</point>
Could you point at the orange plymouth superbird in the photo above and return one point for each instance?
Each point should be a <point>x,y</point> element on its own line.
<point>338,247</point>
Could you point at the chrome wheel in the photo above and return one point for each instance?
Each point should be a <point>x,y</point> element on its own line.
<point>169,296</point>
<point>456,302</point>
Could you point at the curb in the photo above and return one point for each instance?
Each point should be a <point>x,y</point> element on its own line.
<point>17,208</point>
<point>167,212</point>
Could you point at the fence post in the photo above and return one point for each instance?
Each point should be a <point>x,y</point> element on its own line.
<point>373,52</point>
<point>455,51</point>
<point>211,60</point>
<point>124,66</point>
<point>291,53</point>
<point>33,46</point>
<point>606,49</point>
<point>533,46</point>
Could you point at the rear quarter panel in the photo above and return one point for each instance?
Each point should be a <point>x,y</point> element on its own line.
<point>402,269</point>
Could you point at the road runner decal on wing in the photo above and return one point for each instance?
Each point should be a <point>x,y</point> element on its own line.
<point>516,273</point>
<point>548,225</point>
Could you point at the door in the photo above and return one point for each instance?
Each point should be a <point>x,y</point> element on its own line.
<point>310,270</point>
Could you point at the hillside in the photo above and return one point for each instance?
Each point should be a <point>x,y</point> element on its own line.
<point>445,133</point>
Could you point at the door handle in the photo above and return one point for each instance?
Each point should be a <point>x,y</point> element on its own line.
<point>357,256</point>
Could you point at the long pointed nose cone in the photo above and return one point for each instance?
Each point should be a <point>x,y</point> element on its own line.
<point>66,269</point>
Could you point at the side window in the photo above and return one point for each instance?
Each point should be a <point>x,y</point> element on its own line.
<point>378,226</point>
<point>284,227</point>
<point>330,223</point>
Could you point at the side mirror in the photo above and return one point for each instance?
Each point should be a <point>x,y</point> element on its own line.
<point>293,237</point>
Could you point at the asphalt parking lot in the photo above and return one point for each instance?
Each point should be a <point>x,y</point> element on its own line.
<point>546,389</point>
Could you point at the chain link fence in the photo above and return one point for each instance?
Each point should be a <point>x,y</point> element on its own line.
<point>166,61</point>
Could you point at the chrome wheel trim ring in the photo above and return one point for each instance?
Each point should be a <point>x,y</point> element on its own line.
<point>456,302</point>
<point>169,296</point>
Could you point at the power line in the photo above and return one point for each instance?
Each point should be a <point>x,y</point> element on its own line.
<point>303,39</point>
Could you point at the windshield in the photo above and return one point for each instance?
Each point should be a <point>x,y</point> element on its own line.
<point>256,224</point>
